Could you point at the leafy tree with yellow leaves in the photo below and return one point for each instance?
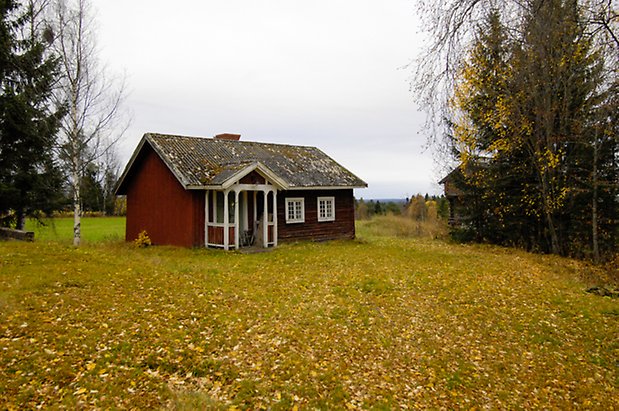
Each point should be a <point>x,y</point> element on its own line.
<point>528,129</point>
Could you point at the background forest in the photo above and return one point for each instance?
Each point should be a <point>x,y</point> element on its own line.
<point>530,110</point>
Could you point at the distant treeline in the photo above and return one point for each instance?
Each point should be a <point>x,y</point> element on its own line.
<point>419,207</point>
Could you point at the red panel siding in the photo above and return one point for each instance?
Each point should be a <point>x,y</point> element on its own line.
<point>342,227</point>
<point>158,203</point>
<point>216,236</point>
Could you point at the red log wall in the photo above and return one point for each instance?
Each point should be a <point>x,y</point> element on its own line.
<point>342,227</point>
<point>158,203</point>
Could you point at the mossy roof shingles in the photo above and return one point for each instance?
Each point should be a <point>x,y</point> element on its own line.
<point>199,162</point>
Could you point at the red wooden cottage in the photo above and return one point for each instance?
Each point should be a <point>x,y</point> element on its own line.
<point>223,192</point>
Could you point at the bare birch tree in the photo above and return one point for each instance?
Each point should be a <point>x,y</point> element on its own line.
<point>94,122</point>
<point>451,27</point>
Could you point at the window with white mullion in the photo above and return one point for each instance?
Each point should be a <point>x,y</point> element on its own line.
<point>326,209</point>
<point>295,210</point>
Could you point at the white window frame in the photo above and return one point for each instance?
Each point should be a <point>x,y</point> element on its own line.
<point>297,218</point>
<point>326,217</point>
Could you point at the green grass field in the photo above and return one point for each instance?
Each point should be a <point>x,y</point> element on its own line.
<point>376,323</point>
<point>93,229</point>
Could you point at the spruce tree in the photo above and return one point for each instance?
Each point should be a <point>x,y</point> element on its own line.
<point>535,130</point>
<point>556,95</point>
<point>30,180</point>
<point>494,169</point>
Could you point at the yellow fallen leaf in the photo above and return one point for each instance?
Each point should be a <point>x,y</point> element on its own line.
<point>91,366</point>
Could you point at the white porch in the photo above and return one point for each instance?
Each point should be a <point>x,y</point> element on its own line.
<point>241,215</point>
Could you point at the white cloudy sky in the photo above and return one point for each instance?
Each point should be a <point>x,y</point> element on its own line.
<point>326,73</point>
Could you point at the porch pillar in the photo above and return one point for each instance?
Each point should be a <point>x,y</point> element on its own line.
<point>236,219</point>
<point>214,206</point>
<point>206,211</point>
<point>245,212</point>
<point>265,220</point>
<point>226,222</point>
<point>253,229</point>
<point>274,218</point>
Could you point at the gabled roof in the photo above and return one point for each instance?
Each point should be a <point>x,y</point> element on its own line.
<point>451,174</point>
<point>202,163</point>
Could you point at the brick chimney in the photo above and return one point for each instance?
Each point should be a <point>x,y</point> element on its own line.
<point>228,136</point>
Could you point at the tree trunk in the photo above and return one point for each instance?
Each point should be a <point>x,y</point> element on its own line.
<point>554,238</point>
<point>20,217</point>
<point>77,230</point>
<point>555,247</point>
<point>77,212</point>
<point>594,205</point>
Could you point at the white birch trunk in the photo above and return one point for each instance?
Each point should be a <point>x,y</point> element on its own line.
<point>77,212</point>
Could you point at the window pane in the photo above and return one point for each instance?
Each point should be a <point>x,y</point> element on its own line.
<point>326,208</point>
<point>291,210</point>
<point>297,205</point>
<point>294,210</point>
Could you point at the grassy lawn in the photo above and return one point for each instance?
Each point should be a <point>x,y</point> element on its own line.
<point>95,229</point>
<point>380,322</point>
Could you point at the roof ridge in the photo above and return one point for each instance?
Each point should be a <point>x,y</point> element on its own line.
<point>153,134</point>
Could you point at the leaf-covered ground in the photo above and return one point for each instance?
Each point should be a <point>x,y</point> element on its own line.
<point>379,323</point>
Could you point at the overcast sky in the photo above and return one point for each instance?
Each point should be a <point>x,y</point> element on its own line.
<point>325,73</point>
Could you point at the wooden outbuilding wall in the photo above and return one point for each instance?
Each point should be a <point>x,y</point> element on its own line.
<point>158,203</point>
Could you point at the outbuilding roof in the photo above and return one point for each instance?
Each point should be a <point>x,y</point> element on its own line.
<point>202,163</point>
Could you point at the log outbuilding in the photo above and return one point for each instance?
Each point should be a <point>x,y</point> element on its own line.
<point>227,193</point>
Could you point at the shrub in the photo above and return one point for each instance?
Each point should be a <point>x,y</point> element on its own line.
<point>463,234</point>
<point>143,240</point>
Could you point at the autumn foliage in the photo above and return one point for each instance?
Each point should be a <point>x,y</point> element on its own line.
<point>533,123</point>
<point>380,322</point>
